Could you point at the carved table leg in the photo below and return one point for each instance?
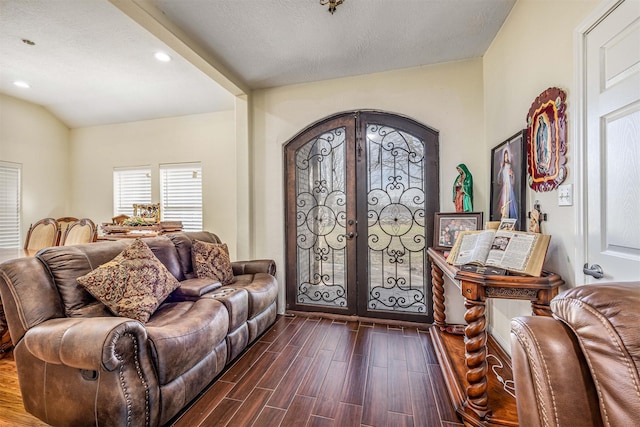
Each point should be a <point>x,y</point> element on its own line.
<point>540,306</point>
<point>476,356</point>
<point>540,309</point>
<point>437,283</point>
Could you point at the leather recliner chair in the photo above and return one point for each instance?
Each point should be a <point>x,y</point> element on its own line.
<point>580,367</point>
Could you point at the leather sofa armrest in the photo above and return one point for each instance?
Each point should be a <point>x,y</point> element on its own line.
<point>192,289</point>
<point>552,380</point>
<point>86,343</point>
<point>254,266</point>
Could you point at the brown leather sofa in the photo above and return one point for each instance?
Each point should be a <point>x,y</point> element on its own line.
<point>581,367</point>
<point>80,365</point>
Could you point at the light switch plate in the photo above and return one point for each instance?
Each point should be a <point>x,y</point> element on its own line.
<point>565,195</point>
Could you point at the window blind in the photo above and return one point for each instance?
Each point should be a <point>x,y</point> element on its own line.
<point>10,202</point>
<point>130,186</point>
<point>181,194</point>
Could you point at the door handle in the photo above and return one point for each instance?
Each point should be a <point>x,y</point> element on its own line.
<point>595,270</point>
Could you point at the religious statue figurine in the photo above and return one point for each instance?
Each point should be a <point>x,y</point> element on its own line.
<point>463,189</point>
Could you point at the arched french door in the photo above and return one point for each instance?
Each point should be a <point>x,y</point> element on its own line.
<point>361,192</point>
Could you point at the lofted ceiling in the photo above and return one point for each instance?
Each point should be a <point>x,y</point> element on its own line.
<point>92,61</point>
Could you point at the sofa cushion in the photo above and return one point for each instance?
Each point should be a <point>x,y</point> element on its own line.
<point>164,249</point>
<point>184,333</point>
<point>66,263</point>
<point>212,260</point>
<point>605,320</point>
<point>183,241</point>
<point>262,289</point>
<point>133,284</point>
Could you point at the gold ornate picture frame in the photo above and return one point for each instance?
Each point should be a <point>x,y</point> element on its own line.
<point>150,212</point>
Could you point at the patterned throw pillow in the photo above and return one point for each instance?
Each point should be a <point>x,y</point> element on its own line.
<point>133,284</point>
<point>212,260</point>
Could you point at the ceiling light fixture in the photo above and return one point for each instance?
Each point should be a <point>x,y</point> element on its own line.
<point>22,84</point>
<point>162,57</point>
<point>333,4</point>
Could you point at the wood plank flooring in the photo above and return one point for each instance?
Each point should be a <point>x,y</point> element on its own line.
<point>316,372</point>
<point>310,371</point>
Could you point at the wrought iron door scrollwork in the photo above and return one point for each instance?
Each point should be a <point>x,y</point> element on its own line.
<point>321,220</point>
<point>396,220</point>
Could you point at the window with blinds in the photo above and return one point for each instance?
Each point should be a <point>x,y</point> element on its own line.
<point>130,186</point>
<point>181,194</point>
<point>10,201</point>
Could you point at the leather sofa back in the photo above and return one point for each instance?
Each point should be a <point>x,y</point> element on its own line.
<point>66,263</point>
<point>183,242</point>
<point>29,295</point>
<point>51,276</point>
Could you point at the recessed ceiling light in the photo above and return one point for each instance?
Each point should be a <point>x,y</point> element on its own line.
<point>163,57</point>
<point>22,84</point>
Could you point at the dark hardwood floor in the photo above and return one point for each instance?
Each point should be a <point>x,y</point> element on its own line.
<point>308,371</point>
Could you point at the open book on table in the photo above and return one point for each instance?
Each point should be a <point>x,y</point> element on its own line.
<point>515,251</point>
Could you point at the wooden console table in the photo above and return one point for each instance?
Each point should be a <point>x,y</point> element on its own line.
<point>470,389</point>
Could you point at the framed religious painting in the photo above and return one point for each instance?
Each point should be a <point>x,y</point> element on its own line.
<point>449,225</point>
<point>547,140</point>
<point>507,193</point>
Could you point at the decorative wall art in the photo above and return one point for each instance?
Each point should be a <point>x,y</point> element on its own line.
<point>508,165</point>
<point>547,140</point>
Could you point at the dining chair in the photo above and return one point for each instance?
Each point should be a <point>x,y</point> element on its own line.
<point>42,234</point>
<point>64,223</point>
<point>81,231</point>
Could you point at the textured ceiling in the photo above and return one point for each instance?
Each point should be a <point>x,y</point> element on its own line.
<point>281,42</point>
<point>93,62</point>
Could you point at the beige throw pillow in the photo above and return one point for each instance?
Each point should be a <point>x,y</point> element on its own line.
<point>133,284</point>
<point>212,260</point>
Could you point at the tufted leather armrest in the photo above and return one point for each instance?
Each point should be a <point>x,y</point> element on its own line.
<point>254,266</point>
<point>84,343</point>
<point>549,367</point>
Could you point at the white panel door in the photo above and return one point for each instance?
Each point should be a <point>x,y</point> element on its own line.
<point>612,168</point>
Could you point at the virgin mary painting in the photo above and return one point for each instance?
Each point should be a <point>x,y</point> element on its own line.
<point>546,140</point>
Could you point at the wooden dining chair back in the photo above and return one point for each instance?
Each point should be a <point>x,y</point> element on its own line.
<point>64,223</point>
<point>81,231</point>
<point>42,234</point>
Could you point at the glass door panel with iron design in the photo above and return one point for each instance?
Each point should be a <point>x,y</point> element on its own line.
<point>361,191</point>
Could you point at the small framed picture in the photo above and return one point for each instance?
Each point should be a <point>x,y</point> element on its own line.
<point>448,225</point>
<point>508,163</point>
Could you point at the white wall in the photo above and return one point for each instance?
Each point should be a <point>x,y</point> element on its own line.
<point>207,138</point>
<point>32,136</point>
<point>533,51</point>
<point>447,97</point>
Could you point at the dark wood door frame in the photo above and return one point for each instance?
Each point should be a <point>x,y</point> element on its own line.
<point>355,216</point>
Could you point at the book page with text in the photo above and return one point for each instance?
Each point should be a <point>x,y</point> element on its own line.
<point>474,248</point>
<point>511,250</point>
